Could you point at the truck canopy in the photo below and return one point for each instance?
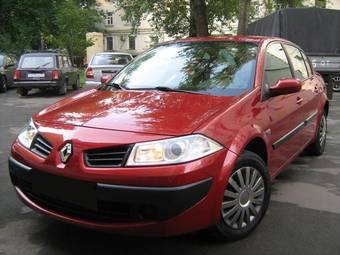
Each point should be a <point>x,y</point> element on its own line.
<point>315,30</point>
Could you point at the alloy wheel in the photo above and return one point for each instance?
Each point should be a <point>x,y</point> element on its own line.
<point>322,130</point>
<point>243,198</point>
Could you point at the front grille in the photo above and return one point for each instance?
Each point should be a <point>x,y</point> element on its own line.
<point>108,157</point>
<point>41,146</point>
<point>116,212</point>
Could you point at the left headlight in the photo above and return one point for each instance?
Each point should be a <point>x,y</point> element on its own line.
<point>172,151</point>
<point>27,134</point>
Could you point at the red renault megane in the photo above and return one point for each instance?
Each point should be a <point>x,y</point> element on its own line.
<point>188,136</point>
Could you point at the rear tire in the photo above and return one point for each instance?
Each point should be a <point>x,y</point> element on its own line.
<point>62,89</point>
<point>246,198</point>
<point>22,92</point>
<point>3,84</point>
<point>318,146</point>
<point>77,85</point>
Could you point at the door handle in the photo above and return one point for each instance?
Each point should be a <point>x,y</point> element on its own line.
<point>299,100</point>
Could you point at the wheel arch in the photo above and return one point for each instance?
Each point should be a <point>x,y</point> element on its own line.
<point>326,107</point>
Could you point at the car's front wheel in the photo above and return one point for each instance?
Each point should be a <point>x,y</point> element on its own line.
<point>246,198</point>
<point>336,87</point>
<point>3,84</point>
<point>318,146</point>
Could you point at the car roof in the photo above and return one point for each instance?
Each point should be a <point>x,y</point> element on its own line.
<point>113,53</point>
<point>227,38</point>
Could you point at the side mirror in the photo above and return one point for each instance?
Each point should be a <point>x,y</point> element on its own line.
<point>285,86</point>
<point>85,65</point>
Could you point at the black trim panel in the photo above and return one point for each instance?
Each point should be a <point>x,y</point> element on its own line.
<point>105,202</point>
<point>294,131</point>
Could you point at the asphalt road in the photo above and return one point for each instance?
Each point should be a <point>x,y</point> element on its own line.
<point>303,217</point>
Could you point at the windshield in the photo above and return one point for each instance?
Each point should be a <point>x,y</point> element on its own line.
<point>216,68</point>
<point>111,59</point>
<point>2,60</point>
<point>37,62</point>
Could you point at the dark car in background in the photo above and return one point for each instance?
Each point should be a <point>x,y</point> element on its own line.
<point>7,66</point>
<point>105,64</point>
<point>44,70</point>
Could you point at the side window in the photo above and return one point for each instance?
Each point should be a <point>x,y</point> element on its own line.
<point>60,61</point>
<point>65,61</point>
<point>276,65</point>
<point>299,67</point>
<point>309,68</point>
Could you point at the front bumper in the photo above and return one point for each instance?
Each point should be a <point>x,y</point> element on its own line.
<point>104,202</point>
<point>185,203</point>
<point>36,84</point>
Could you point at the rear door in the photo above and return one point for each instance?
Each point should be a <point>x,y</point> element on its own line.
<point>284,128</point>
<point>309,93</point>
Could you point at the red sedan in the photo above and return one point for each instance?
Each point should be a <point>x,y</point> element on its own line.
<point>188,136</point>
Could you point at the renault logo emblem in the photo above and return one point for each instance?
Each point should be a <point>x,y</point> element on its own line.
<point>66,152</point>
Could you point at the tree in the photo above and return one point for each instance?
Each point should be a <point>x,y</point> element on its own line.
<point>180,18</point>
<point>39,24</point>
<point>73,21</point>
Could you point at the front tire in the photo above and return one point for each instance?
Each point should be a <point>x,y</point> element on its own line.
<point>336,87</point>
<point>246,198</point>
<point>318,146</point>
<point>3,84</point>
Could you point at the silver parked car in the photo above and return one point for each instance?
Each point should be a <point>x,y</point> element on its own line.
<point>105,63</point>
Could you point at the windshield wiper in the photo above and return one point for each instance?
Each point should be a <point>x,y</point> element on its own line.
<point>115,85</point>
<point>38,67</point>
<point>167,89</point>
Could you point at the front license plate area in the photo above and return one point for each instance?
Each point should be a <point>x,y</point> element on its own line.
<point>71,191</point>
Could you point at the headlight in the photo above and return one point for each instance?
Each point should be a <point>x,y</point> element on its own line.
<point>172,151</point>
<point>27,135</point>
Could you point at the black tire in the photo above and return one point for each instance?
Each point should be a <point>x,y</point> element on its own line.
<point>22,92</point>
<point>225,230</point>
<point>318,146</point>
<point>3,84</point>
<point>63,89</point>
<point>76,86</point>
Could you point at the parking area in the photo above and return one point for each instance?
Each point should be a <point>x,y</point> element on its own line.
<point>303,217</point>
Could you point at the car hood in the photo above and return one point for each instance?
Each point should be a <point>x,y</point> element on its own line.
<point>167,113</point>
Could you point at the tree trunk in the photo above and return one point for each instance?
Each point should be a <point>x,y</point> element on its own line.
<point>200,17</point>
<point>243,17</point>
<point>291,3</point>
<point>192,31</point>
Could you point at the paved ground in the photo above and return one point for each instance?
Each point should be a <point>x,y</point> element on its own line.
<point>303,217</point>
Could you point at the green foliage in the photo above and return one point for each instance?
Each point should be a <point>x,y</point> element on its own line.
<point>173,16</point>
<point>73,23</point>
<point>33,24</point>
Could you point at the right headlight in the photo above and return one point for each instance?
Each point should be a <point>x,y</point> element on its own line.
<point>27,134</point>
<point>172,151</point>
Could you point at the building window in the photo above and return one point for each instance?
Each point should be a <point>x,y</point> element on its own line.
<point>132,42</point>
<point>109,19</point>
<point>109,43</point>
